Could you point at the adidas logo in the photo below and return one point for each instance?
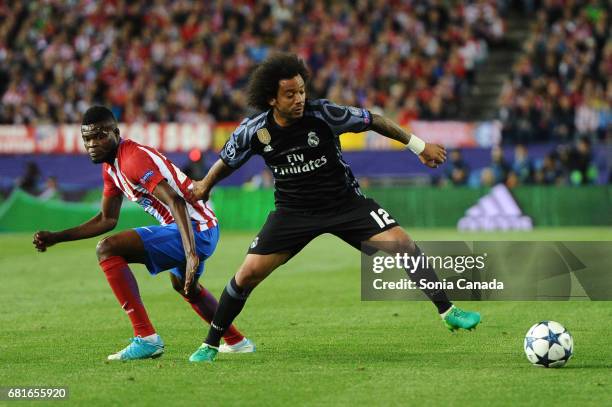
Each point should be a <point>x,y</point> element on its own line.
<point>495,211</point>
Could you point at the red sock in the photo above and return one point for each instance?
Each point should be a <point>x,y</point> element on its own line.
<point>206,305</point>
<point>124,286</point>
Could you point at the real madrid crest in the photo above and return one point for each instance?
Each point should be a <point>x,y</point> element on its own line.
<point>263,135</point>
<point>230,149</point>
<point>313,140</point>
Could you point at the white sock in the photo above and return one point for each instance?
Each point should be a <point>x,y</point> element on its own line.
<point>151,338</point>
<point>445,313</point>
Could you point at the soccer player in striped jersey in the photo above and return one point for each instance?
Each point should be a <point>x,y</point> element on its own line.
<point>187,235</point>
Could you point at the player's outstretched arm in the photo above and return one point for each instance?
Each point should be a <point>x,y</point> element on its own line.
<point>201,189</point>
<point>103,222</point>
<point>178,209</point>
<point>432,155</point>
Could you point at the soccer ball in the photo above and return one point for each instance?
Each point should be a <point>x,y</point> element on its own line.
<point>548,344</point>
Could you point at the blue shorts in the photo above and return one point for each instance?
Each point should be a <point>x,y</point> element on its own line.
<point>164,248</point>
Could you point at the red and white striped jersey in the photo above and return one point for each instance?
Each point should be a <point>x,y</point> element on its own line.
<point>138,169</point>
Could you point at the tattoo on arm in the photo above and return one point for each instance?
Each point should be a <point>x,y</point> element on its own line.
<point>389,128</point>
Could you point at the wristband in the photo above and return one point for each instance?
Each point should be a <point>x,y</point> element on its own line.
<point>416,145</point>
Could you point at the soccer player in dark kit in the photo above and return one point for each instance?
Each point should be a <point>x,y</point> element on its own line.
<point>187,235</point>
<point>315,190</point>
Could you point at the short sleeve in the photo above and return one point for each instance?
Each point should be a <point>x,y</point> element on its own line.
<point>110,189</point>
<point>237,150</point>
<point>140,169</point>
<point>345,119</point>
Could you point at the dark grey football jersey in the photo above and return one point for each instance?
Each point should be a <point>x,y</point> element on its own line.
<point>305,158</point>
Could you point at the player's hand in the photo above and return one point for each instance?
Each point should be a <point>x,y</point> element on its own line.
<point>433,155</point>
<point>200,191</point>
<point>190,271</point>
<point>44,239</point>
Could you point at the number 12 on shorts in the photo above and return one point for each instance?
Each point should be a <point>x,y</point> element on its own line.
<point>382,217</point>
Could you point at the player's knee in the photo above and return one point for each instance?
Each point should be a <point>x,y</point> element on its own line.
<point>404,244</point>
<point>105,249</point>
<point>178,285</point>
<point>250,275</point>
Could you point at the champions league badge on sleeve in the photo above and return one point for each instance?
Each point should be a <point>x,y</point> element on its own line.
<point>263,135</point>
<point>146,177</point>
<point>355,111</point>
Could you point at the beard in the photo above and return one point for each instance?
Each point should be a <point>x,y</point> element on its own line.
<point>292,116</point>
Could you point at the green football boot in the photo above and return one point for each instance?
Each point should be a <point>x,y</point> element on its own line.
<point>456,318</point>
<point>205,353</point>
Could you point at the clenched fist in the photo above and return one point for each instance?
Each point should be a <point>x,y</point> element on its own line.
<point>44,239</point>
<point>200,192</point>
<point>433,155</point>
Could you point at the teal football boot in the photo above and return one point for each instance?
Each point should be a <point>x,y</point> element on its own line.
<point>140,348</point>
<point>205,353</point>
<point>456,318</point>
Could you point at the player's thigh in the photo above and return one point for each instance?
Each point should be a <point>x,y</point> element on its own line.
<point>164,249</point>
<point>394,240</point>
<point>126,244</point>
<point>364,220</point>
<point>284,231</point>
<point>256,267</point>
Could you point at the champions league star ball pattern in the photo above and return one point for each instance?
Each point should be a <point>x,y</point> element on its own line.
<point>548,344</point>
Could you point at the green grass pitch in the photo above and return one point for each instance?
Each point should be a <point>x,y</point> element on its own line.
<point>318,344</point>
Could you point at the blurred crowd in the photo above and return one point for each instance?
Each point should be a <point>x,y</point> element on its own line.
<point>34,183</point>
<point>561,87</point>
<point>188,60</point>
<point>569,164</point>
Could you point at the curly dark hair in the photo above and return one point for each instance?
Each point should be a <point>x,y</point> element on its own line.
<point>263,83</point>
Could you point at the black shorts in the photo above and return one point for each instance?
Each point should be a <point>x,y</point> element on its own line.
<point>288,230</point>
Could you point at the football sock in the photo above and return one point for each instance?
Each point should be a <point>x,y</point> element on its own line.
<point>231,303</point>
<point>445,313</point>
<point>124,286</point>
<point>438,297</point>
<point>205,305</point>
<point>152,338</point>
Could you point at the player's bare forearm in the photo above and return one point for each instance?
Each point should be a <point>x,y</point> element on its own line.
<point>178,209</point>
<point>219,171</point>
<point>104,221</point>
<point>96,226</point>
<point>432,155</point>
<point>181,217</point>
<point>389,128</point>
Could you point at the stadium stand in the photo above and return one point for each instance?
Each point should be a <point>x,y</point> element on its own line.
<point>180,61</point>
<point>188,62</point>
<point>560,89</point>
